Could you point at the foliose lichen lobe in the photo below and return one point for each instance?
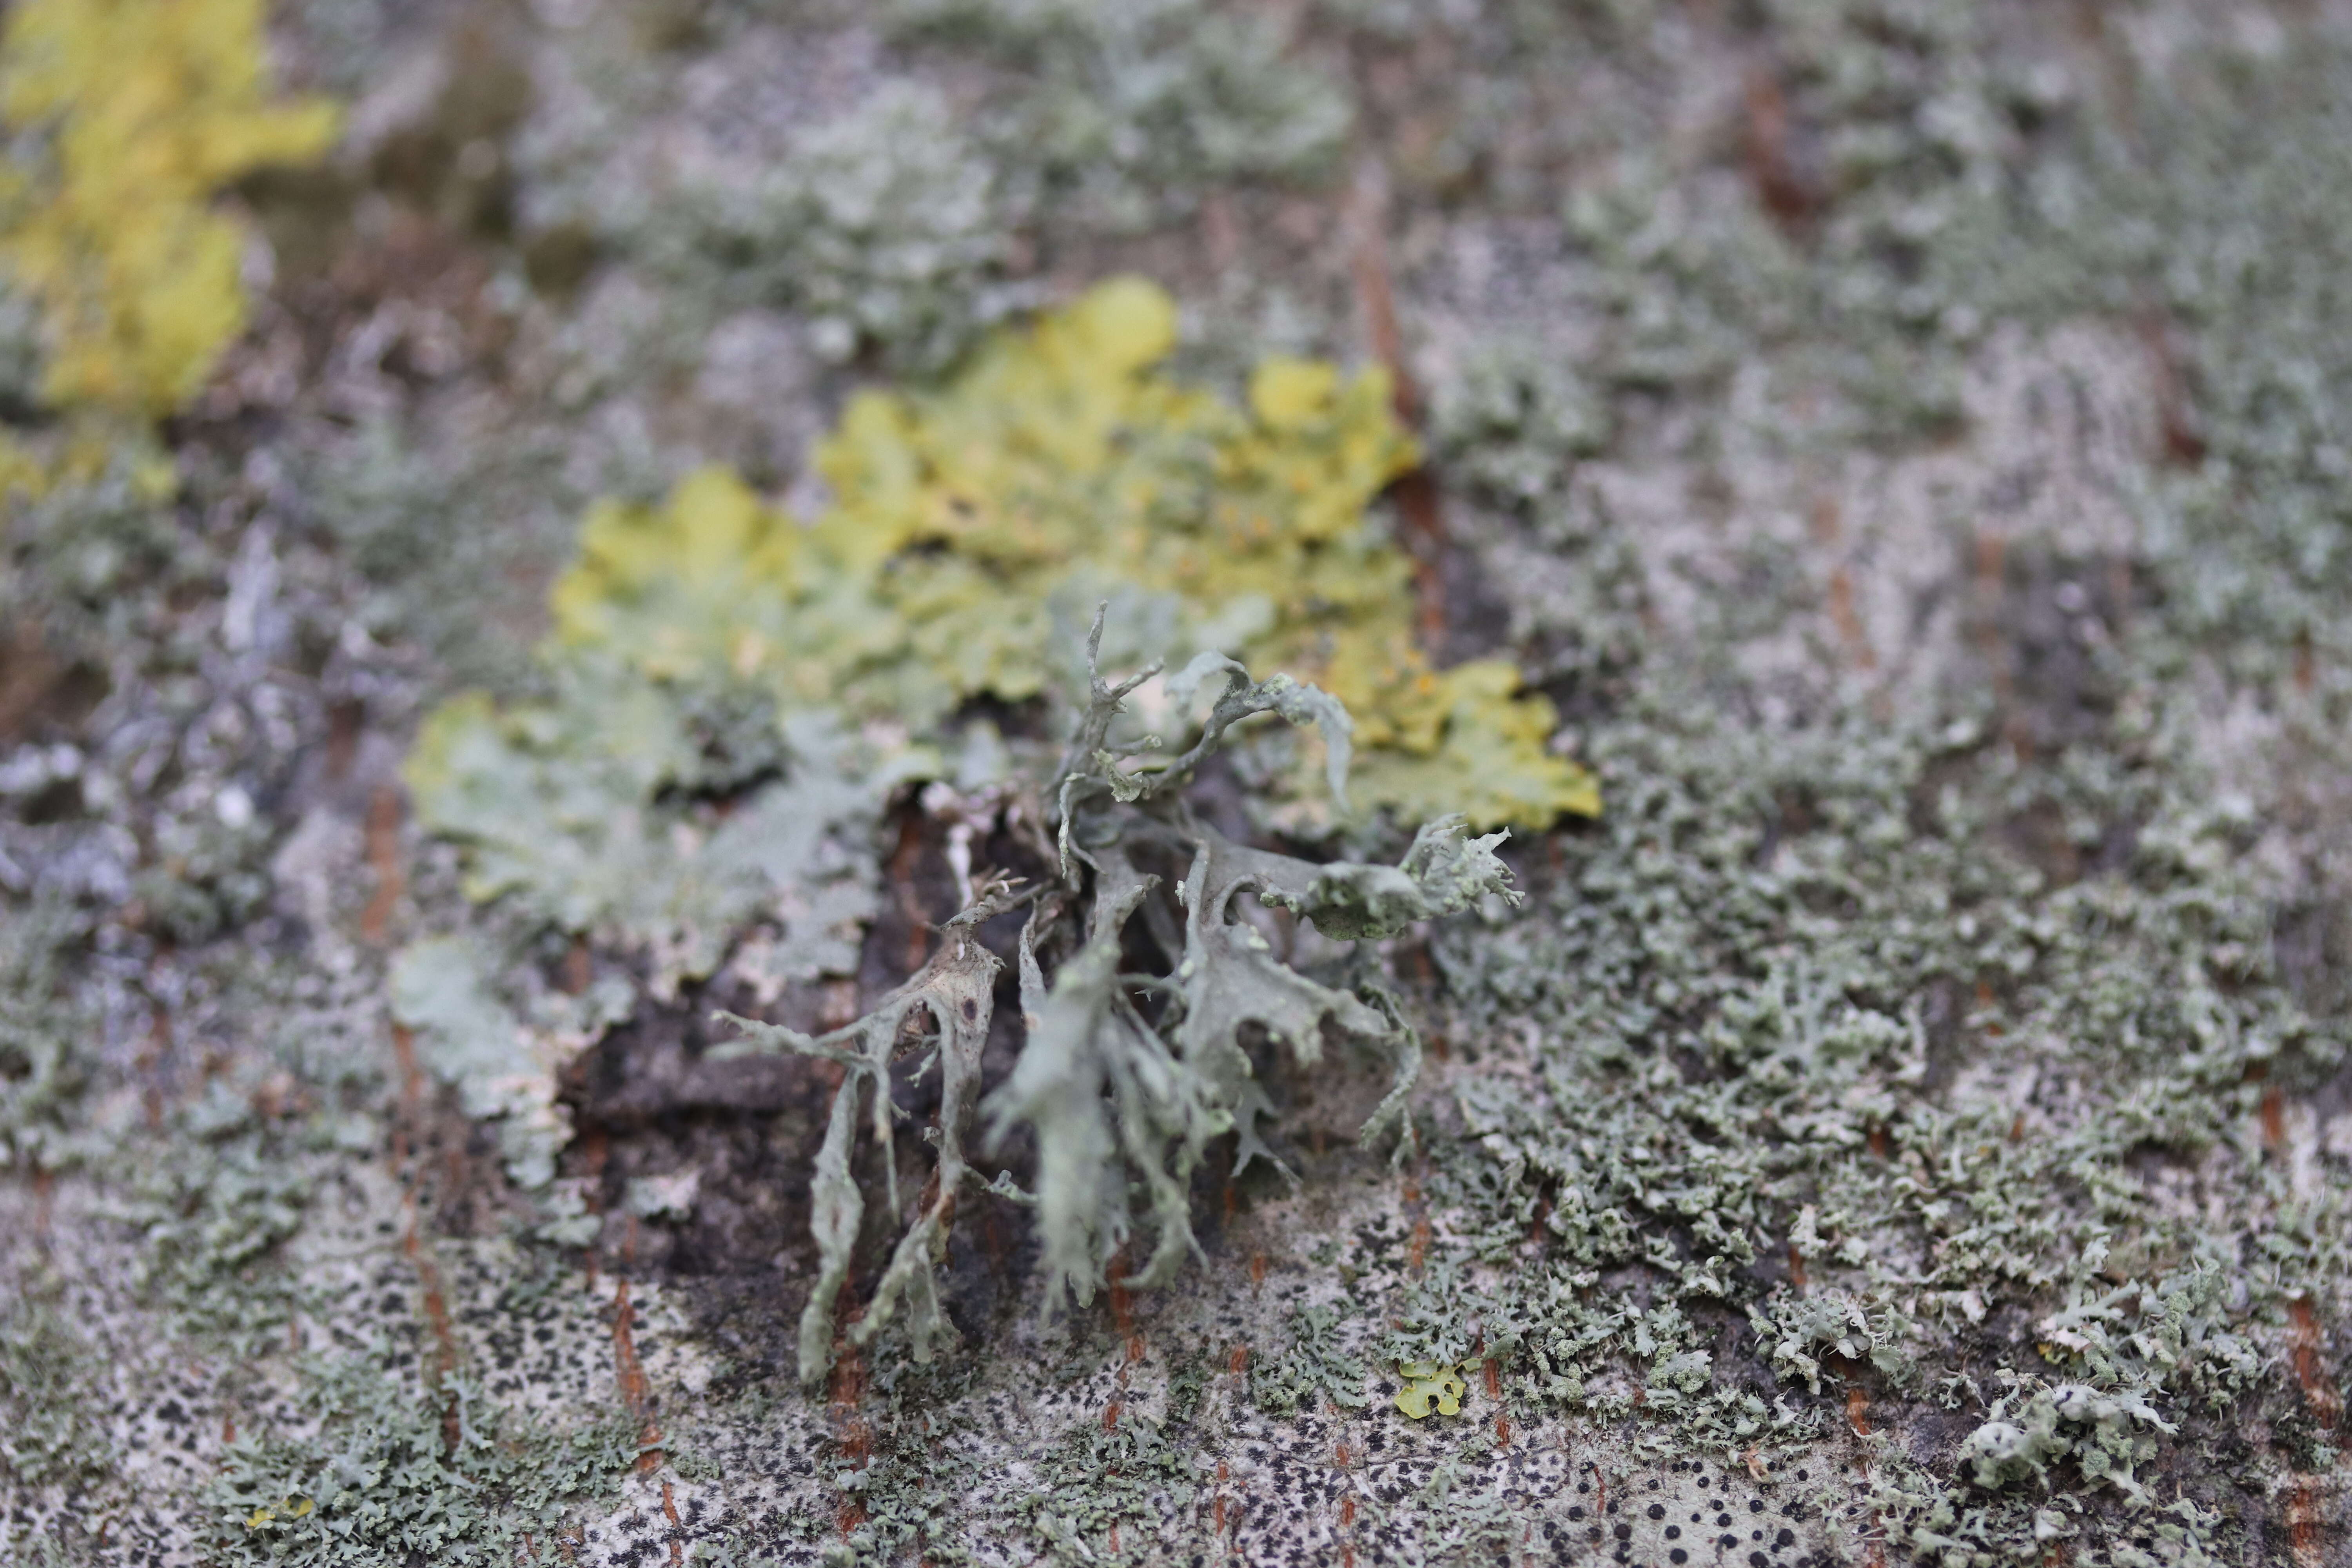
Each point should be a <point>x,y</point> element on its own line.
<point>969,530</point>
<point>150,110</point>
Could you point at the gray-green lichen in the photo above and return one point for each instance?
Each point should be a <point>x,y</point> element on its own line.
<point>502,1064</point>
<point>593,814</point>
<point>1126,110</point>
<point>41,1074</point>
<point>389,1470</point>
<point>947,1004</point>
<point>44,1376</point>
<point>884,228</point>
<point>1124,1076</point>
<point>1311,1366</point>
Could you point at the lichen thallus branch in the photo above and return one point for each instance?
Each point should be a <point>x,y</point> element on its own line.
<point>1120,1068</point>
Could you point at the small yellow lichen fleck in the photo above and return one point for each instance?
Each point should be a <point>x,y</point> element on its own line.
<point>153,106</point>
<point>1425,1382</point>
<point>292,1508</point>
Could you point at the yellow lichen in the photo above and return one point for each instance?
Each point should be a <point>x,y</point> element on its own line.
<point>292,1508</point>
<point>971,525</point>
<point>149,107</point>
<point>1427,1384</point>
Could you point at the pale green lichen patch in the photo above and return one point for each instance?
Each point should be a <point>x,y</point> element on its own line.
<point>212,1210</point>
<point>582,810</point>
<point>1125,113</point>
<point>885,228</point>
<point>40,1077</point>
<point>502,1064</point>
<point>1735,1068</point>
<point>46,1378</point>
<point>1311,1365</point>
<point>381,1480</point>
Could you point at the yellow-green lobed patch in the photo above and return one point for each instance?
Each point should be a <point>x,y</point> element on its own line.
<point>1429,1385</point>
<point>141,112</point>
<point>971,528</point>
<point>152,108</point>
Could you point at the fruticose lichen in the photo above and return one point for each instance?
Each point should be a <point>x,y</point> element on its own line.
<point>1124,1078</point>
<point>698,648</point>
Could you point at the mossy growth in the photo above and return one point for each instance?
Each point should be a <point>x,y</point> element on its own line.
<point>141,112</point>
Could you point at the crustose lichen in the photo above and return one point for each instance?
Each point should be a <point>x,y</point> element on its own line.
<point>1124,1078</point>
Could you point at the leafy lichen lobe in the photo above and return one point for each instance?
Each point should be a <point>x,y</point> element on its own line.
<point>970,529</point>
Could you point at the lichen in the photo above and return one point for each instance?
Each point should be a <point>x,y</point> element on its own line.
<point>212,1210</point>
<point>949,1003</point>
<point>1311,1366</point>
<point>969,528</point>
<point>1125,112</point>
<point>145,111</point>
<point>1944,1034</point>
<point>41,1075</point>
<point>46,1373</point>
<point>884,227</point>
<point>1714,1102</point>
<point>1122,1071</point>
<point>405,519</point>
<point>1430,1385</point>
<point>502,1065</point>
<point>597,814</point>
<point>703,646</point>
<point>388,1470</point>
